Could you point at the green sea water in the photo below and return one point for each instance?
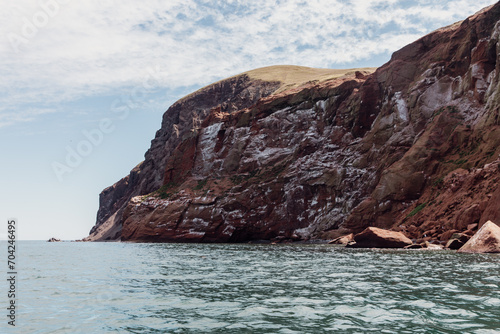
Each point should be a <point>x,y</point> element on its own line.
<point>242,288</point>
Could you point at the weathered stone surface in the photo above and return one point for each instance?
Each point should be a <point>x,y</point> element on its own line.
<point>447,235</point>
<point>454,244</point>
<point>457,240</point>
<point>486,240</point>
<point>179,122</point>
<point>467,217</point>
<point>343,240</point>
<point>415,246</point>
<point>492,211</point>
<point>411,147</point>
<point>373,237</point>
<point>431,246</point>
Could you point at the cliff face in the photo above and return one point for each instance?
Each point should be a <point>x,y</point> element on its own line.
<point>412,147</point>
<point>180,122</point>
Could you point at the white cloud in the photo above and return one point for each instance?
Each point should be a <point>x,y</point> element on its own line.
<point>87,48</point>
<point>27,115</point>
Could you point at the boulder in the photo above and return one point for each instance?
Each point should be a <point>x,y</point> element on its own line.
<point>486,240</point>
<point>471,227</point>
<point>373,237</point>
<point>447,235</point>
<point>464,237</point>
<point>414,246</point>
<point>468,217</point>
<point>343,240</point>
<point>454,244</point>
<point>54,240</point>
<point>492,211</point>
<point>431,246</point>
<point>457,240</point>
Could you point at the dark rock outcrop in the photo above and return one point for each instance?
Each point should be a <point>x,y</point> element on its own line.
<point>457,240</point>
<point>411,147</point>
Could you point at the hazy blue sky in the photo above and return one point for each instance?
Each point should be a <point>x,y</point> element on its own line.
<point>94,77</point>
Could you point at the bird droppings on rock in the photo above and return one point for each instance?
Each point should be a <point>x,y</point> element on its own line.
<point>274,154</point>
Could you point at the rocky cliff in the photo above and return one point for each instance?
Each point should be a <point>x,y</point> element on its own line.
<point>292,153</point>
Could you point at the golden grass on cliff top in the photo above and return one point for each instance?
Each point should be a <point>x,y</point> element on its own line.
<point>290,76</point>
<point>293,76</point>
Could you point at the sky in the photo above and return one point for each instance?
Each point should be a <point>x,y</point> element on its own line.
<point>84,84</point>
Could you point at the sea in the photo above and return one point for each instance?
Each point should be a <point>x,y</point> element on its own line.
<point>72,287</point>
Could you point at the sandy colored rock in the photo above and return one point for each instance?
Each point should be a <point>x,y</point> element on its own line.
<point>373,237</point>
<point>343,240</point>
<point>431,246</point>
<point>486,240</point>
<point>472,227</point>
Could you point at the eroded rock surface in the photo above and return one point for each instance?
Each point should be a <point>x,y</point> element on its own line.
<point>343,240</point>
<point>412,147</point>
<point>486,240</point>
<point>373,237</point>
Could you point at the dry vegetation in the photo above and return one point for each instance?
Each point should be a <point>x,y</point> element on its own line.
<point>293,76</point>
<point>290,76</point>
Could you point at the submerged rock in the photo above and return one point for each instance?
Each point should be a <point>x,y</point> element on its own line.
<point>486,240</point>
<point>373,237</point>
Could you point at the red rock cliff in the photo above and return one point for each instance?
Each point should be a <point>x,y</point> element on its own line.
<point>412,147</point>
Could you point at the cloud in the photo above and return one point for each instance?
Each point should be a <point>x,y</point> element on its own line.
<point>72,49</point>
<point>9,118</point>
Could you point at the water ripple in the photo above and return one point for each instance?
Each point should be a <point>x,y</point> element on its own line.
<point>181,288</point>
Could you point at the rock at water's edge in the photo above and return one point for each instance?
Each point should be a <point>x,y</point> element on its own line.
<point>454,244</point>
<point>343,240</point>
<point>54,240</point>
<point>415,246</point>
<point>431,246</point>
<point>457,240</point>
<point>486,240</point>
<point>373,237</point>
